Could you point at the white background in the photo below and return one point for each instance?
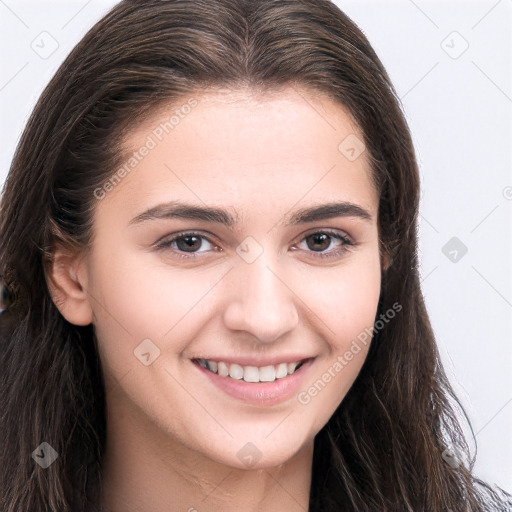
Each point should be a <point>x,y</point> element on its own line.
<point>458,106</point>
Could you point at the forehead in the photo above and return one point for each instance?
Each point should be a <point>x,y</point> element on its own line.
<point>237,145</point>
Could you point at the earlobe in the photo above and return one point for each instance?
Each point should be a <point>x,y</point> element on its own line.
<point>66,281</point>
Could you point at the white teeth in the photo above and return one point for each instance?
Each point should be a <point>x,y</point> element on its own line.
<point>282,370</point>
<point>222,369</point>
<point>267,374</point>
<point>250,373</point>
<point>236,371</point>
<point>291,367</point>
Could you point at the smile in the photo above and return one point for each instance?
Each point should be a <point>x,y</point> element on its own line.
<point>256,385</point>
<point>268,373</point>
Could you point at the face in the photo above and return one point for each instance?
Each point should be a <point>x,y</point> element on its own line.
<point>267,279</point>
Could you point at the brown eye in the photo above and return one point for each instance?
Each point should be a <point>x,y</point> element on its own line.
<point>319,241</point>
<point>186,245</point>
<point>189,243</point>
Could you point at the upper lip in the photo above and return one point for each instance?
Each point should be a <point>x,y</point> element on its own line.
<point>255,360</point>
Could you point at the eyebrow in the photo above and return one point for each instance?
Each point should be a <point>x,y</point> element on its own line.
<point>180,210</point>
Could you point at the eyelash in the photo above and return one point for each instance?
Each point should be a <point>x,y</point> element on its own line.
<point>347,243</point>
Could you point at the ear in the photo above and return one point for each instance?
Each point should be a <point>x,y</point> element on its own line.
<point>67,282</point>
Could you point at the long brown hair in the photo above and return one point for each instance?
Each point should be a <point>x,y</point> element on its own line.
<point>383,448</point>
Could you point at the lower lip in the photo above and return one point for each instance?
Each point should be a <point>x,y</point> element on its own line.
<point>259,393</point>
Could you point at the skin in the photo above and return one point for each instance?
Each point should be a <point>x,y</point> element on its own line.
<point>173,437</point>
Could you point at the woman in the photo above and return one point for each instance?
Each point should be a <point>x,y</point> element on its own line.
<point>175,339</point>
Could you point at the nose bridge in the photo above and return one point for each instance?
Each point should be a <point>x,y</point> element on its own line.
<point>260,302</point>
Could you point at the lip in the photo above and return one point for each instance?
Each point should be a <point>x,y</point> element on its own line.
<point>259,393</point>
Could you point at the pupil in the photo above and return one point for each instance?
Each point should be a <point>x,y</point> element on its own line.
<point>319,238</point>
<point>188,245</point>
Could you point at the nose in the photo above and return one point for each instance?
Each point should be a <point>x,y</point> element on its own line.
<point>261,302</point>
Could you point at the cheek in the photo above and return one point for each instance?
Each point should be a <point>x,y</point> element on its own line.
<point>346,300</point>
<point>140,297</point>
<point>345,297</point>
<point>358,299</point>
